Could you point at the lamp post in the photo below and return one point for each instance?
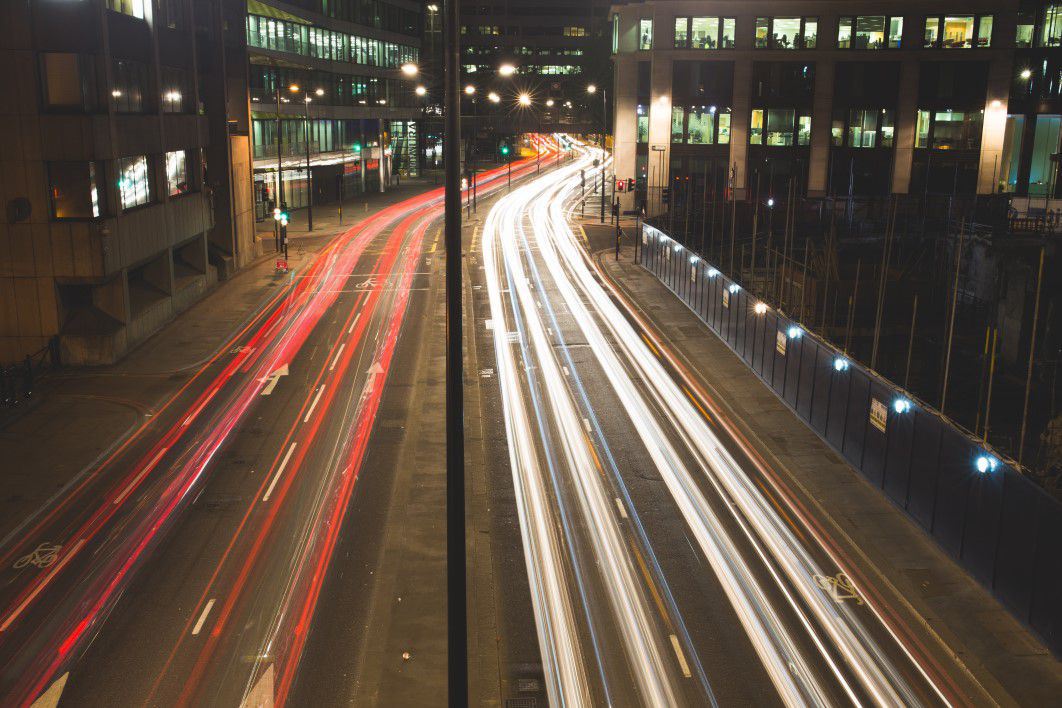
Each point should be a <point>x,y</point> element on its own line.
<point>456,584</point>
<point>306,99</point>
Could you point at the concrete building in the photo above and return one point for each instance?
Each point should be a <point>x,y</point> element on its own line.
<point>108,210</point>
<point>856,98</point>
<point>332,71</point>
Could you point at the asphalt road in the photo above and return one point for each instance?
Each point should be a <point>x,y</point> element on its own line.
<point>197,563</point>
<point>662,562</point>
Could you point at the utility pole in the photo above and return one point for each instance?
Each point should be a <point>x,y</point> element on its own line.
<point>456,613</point>
<point>280,171</point>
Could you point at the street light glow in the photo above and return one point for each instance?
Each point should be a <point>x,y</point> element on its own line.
<point>319,92</point>
<point>1026,74</point>
<point>591,88</point>
<point>506,70</point>
<point>549,102</point>
<point>420,90</point>
<point>294,88</point>
<point>410,69</point>
<point>524,99</point>
<point>760,308</point>
<point>494,98</point>
<point>470,89</point>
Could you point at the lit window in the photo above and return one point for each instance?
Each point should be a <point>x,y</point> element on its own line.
<point>726,40</point>
<point>678,119</point>
<point>724,127</point>
<point>932,32</point>
<point>844,33</point>
<point>643,124</point>
<point>701,126</point>
<point>756,127</point>
<point>984,31</point>
<point>1051,31</point>
<point>133,8</point>
<point>1023,35</point>
<point>958,32</point>
<point>780,126</point>
<point>73,190</point>
<point>177,173</point>
<point>922,129</point>
<point>704,32</point>
<point>69,81</point>
<point>134,181</point>
<point>895,32</point>
<point>682,33</point>
<point>811,32</point>
<point>615,32</point>
<point>804,130</point>
<point>645,33</point>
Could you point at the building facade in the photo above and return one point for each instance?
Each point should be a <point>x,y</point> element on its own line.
<point>327,87</point>
<point>838,98</point>
<point>109,214</point>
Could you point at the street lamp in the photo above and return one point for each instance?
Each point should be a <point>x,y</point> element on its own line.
<point>420,90</point>
<point>494,98</point>
<point>591,89</point>
<point>294,88</point>
<point>1026,74</point>
<point>410,69</point>
<point>469,90</point>
<point>506,70</point>
<point>524,99</point>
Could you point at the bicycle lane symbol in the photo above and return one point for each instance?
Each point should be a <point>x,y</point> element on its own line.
<point>42,556</point>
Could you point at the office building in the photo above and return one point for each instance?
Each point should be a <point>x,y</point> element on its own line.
<point>330,74</point>
<point>858,98</point>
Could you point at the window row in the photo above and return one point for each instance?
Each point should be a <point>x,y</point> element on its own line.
<point>68,83</point>
<point>284,36</point>
<point>779,127</point>
<point>864,128</point>
<point>704,33</point>
<point>378,14</point>
<point>76,188</point>
<point>339,89</point>
<point>949,130</point>
<point>853,32</point>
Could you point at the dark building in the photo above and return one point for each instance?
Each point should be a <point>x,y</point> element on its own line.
<point>555,49</point>
<point>109,214</point>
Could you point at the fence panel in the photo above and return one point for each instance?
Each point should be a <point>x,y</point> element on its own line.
<point>858,414</point>
<point>820,402</point>
<point>897,474</point>
<point>981,523</point>
<point>1045,613</point>
<point>1016,553</point>
<point>809,375</point>
<point>794,355</point>
<point>953,489</point>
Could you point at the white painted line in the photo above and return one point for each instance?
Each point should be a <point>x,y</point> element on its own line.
<point>40,586</point>
<point>136,480</point>
<point>681,657</point>
<point>336,359</point>
<point>619,505</point>
<point>314,404</point>
<point>280,470</point>
<point>202,618</point>
<point>50,698</point>
<point>190,418</point>
<point>586,424</point>
<point>351,327</point>
<point>565,370</point>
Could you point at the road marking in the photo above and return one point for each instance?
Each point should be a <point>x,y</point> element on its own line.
<point>586,424</point>
<point>280,470</point>
<point>336,359</point>
<point>681,657</point>
<point>273,379</point>
<point>261,694</point>
<point>314,404</point>
<point>619,505</point>
<point>40,586</point>
<point>202,618</point>
<point>50,698</point>
<point>351,327</point>
<point>565,370</point>
<point>136,480</point>
<point>840,587</point>
<point>190,418</point>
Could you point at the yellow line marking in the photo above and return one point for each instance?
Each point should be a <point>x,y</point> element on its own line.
<point>652,587</point>
<point>650,344</point>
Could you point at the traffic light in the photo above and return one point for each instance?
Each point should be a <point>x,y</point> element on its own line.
<point>621,185</point>
<point>630,184</point>
<point>504,150</point>
<point>356,147</point>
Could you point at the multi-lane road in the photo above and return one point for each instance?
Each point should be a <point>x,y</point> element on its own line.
<point>186,567</point>
<point>665,563</point>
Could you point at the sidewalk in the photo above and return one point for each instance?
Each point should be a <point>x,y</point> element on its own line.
<point>1007,659</point>
<point>77,415</point>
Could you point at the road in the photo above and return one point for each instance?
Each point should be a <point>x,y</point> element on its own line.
<point>663,562</point>
<point>187,566</point>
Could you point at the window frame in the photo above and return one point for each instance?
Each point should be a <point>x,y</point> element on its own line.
<point>121,164</point>
<point>94,181</point>
<point>975,31</point>
<point>799,38</point>
<point>644,46</point>
<point>720,24</point>
<point>886,33</point>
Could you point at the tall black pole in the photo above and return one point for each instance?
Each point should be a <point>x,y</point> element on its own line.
<point>457,628</point>
<point>309,174</point>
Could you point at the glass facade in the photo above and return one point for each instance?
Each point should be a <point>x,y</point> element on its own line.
<point>786,32</point>
<point>704,33</point>
<point>319,43</point>
<point>958,31</point>
<point>177,181</point>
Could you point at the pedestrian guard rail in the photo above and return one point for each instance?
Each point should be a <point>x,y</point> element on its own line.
<point>993,520</point>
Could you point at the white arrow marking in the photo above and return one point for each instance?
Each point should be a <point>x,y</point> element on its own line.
<point>261,694</point>
<point>272,380</point>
